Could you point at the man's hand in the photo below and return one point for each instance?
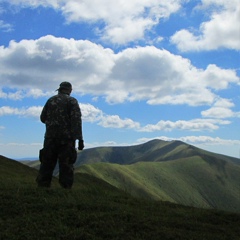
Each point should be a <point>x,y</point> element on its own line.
<point>80,144</point>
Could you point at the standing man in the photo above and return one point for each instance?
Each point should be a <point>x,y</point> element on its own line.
<point>63,119</point>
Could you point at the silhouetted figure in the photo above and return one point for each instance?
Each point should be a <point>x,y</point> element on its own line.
<point>63,119</point>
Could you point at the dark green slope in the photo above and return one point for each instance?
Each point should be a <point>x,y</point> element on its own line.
<point>152,151</point>
<point>191,181</point>
<point>14,172</point>
<point>121,155</point>
<point>172,171</point>
<point>94,209</point>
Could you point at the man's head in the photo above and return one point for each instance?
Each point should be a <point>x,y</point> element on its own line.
<point>65,87</point>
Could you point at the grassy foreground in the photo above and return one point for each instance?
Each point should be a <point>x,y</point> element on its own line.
<point>94,209</point>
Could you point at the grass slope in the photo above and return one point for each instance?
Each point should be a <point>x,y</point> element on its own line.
<point>12,171</point>
<point>93,209</point>
<point>176,172</point>
<point>192,181</point>
<point>152,151</point>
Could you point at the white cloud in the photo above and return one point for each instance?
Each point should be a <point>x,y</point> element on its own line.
<point>94,115</point>
<point>90,113</point>
<point>20,94</point>
<point>36,67</point>
<point>222,30</point>
<point>229,147</point>
<point>218,79</point>
<point>220,109</point>
<point>123,21</point>
<point>5,27</point>
<point>196,140</point>
<point>5,110</point>
<point>33,111</point>
<point>209,140</point>
<point>35,3</point>
<point>218,112</point>
<point>191,125</point>
<point>44,63</point>
<point>114,121</point>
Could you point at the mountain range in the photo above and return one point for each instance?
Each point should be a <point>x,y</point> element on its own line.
<point>96,209</point>
<point>167,171</point>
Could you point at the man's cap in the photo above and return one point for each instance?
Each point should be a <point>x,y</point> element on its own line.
<point>65,85</point>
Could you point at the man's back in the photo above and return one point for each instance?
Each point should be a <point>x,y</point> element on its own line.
<point>56,114</point>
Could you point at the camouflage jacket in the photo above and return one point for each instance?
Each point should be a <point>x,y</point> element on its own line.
<point>63,118</point>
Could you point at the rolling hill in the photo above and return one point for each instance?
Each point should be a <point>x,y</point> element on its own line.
<point>169,171</point>
<point>189,181</point>
<point>152,151</point>
<point>13,172</point>
<point>94,209</point>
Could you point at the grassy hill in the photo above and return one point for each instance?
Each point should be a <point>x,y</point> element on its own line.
<point>173,171</point>
<point>13,172</point>
<point>152,151</point>
<point>189,181</point>
<point>94,209</point>
<point>170,171</point>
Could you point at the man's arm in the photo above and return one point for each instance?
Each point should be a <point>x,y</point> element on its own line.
<point>43,116</point>
<point>76,120</point>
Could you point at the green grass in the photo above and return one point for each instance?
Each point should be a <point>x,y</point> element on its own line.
<point>94,209</point>
<point>191,181</point>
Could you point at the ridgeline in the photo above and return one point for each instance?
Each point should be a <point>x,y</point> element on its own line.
<point>123,201</point>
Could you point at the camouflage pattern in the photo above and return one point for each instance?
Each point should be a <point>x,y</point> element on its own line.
<point>62,117</point>
<point>57,150</point>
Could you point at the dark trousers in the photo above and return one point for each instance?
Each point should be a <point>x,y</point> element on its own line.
<point>63,152</point>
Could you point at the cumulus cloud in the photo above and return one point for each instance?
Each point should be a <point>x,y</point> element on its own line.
<point>36,67</point>
<point>20,94</point>
<point>218,112</point>
<point>123,21</point>
<point>221,109</point>
<point>191,125</point>
<point>17,95</point>
<point>114,121</point>
<point>217,78</point>
<point>222,29</point>
<point>46,62</point>
<point>196,140</point>
<point>33,111</point>
<point>90,113</point>
<point>95,115</point>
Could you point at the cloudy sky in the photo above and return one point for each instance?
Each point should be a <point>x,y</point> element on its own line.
<point>140,69</point>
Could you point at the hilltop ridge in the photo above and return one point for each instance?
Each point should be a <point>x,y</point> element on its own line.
<point>152,151</point>
<point>168,171</point>
<point>95,209</point>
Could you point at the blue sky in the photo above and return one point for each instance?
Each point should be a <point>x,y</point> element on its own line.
<point>140,70</point>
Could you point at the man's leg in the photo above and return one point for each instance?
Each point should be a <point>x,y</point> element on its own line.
<point>67,157</point>
<point>48,158</point>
